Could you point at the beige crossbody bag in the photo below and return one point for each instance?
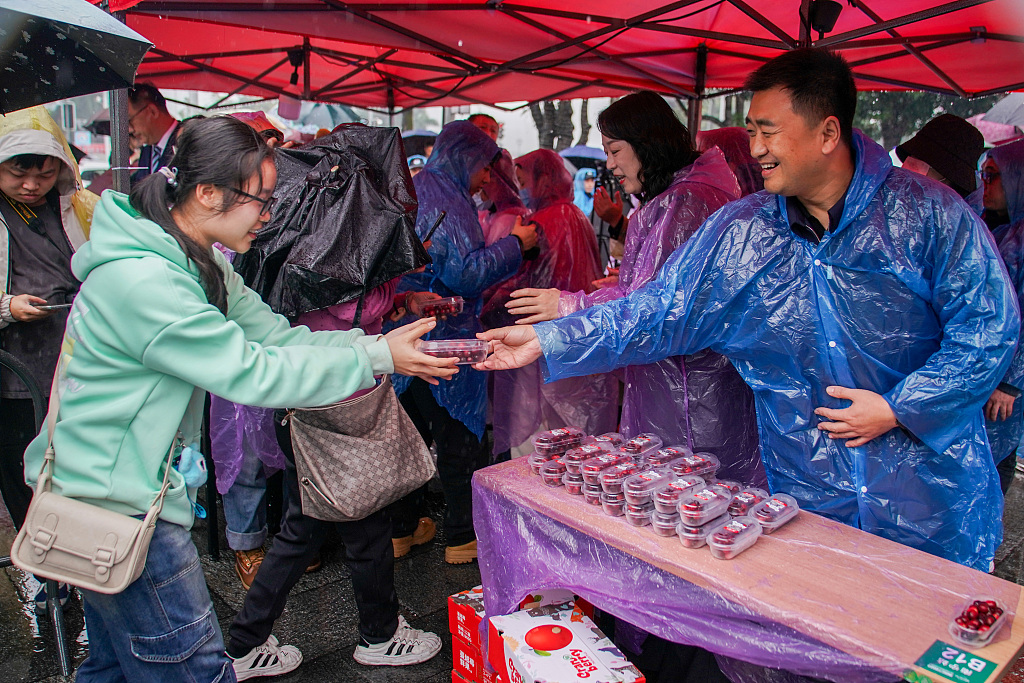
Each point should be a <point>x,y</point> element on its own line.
<point>81,544</point>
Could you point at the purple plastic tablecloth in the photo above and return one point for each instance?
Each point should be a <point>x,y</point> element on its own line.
<point>529,539</point>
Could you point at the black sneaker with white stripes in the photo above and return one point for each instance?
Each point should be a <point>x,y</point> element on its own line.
<point>269,659</point>
<point>407,646</point>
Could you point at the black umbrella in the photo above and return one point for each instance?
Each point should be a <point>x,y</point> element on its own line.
<point>344,222</point>
<point>52,49</point>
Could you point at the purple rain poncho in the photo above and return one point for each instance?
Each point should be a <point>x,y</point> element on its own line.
<point>1004,435</point>
<point>498,219</point>
<point>697,400</point>
<point>735,145</point>
<point>462,263</point>
<point>568,260</point>
<point>907,298</point>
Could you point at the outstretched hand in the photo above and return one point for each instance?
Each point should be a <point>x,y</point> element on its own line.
<point>409,361</point>
<point>511,347</point>
<point>538,304</point>
<point>607,209</point>
<point>868,416</point>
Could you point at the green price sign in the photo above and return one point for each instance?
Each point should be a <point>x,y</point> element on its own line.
<point>955,664</point>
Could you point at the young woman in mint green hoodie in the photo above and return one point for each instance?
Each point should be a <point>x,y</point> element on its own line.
<point>161,319</point>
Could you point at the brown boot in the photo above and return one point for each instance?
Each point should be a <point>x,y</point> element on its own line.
<point>314,564</point>
<point>247,563</point>
<point>460,554</point>
<point>425,532</point>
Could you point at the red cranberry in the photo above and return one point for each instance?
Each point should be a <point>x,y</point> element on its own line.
<point>974,624</point>
<point>996,612</point>
<point>992,604</point>
<point>960,621</point>
<point>971,612</point>
<point>982,607</point>
<point>983,629</point>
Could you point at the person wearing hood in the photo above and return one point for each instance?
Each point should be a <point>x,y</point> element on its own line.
<point>1002,177</point>
<point>735,145</point>
<point>161,318</point>
<point>866,306</point>
<point>44,218</point>
<point>583,185</point>
<point>502,204</point>
<point>453,416</point>
<point>699,400</point>
<point>567,260</point>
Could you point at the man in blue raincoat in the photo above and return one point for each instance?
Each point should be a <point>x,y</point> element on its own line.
<point>864,305</point>
<point>453,414</point>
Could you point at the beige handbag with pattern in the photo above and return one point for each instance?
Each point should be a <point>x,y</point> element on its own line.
<point>355,457</point>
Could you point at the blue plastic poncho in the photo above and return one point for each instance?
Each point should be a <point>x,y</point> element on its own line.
<point>567,260</point>
<point>907,297</point>
<point>1005,435</point>
<point>462,264</point>
<point>579,194</point>
<point>697,400</point>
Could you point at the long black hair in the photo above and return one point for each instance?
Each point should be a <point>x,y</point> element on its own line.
<point>661,142</point>
<point>219,151</point>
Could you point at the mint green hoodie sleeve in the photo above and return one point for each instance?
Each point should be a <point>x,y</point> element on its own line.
<point>262,325</point>
<point>178,333</point>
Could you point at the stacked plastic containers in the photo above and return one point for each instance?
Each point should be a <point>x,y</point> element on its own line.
<point>549,449</point>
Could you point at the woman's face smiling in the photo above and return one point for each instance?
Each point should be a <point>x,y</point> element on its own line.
<point>235,228</point>
<point>623,163</point>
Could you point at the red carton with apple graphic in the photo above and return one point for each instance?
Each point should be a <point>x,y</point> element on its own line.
<point>555,644</point>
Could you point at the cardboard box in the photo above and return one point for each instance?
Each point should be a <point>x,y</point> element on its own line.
<point>465,614</point>
<point>467,660</point>
<point>555,646</point>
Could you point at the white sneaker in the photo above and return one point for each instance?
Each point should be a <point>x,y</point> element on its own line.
<point>407,646</point>
<point>269,659</point>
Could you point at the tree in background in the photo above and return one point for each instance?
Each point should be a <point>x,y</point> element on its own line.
<point>892,117</point>
<point>554,123</point>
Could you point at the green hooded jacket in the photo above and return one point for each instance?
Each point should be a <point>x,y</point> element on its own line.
<point>143,344</point>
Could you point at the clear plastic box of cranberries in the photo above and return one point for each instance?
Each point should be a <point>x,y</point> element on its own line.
<point>978,622</point>
<point>744,501</point>
<point>537,461</point>
<point>664,524</point>
<point>702,464</point>
<point>592,493</point>
<point>468,351</point>
<point>667,498</point>
<point>613,477</point>
<point>442,308</point>
<point>697,536</point>
<point>552,472</point>
<point>639,515</point>
<point>640,487</point>
<point>732,538</point>
<point>640,445</point>
<point>613,439</point>
<point>774,512</point>
<point>574,457</point>
<point>667,455</point>
<point>614,504</point>
<point>573,483</point>
<point>557,441</point>
<point>592,469</point>
<point>703,505</point>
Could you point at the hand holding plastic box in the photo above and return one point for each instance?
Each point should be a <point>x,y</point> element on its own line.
<point>557,441</point>
<point>442,308</point>
<point>702,506</point>
<point>745,500</point>
<point>978,622</point>
<point>732,538</point>
<point>666,499</point>
<point>774,512</point>
<point>467,351</point>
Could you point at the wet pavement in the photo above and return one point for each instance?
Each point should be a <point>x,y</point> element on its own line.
<point>321,616</point>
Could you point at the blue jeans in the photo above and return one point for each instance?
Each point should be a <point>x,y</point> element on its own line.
<point>162,627</point>
<point>245,505</point>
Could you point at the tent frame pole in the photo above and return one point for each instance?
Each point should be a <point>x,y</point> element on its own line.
<point>694,111</point>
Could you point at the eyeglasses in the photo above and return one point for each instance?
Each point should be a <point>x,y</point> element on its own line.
<point>989,176</point>
<point>266,205</point>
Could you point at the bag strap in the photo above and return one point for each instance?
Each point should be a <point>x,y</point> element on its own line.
<point>46,471</point>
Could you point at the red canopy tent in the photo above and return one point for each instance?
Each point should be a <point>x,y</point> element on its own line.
<point>395,53</point>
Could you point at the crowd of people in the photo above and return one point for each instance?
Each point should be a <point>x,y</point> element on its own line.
<point>827,325</point>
